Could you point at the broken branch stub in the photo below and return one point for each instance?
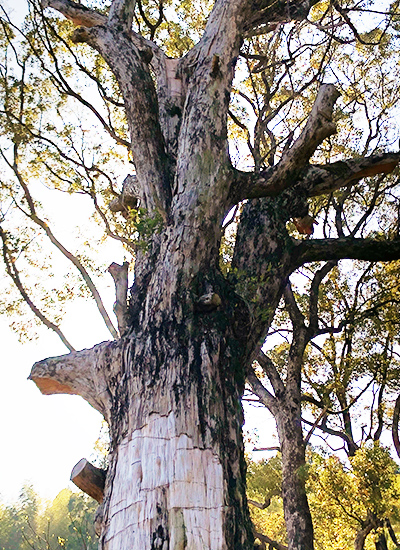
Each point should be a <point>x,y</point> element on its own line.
<point>89,479</point>
<point>119,273</point>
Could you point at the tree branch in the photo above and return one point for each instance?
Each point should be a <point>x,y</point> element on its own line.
<point>395,426</point>
<point>81,373</point>
<point>73,259</point>
<point>294,161</point>
<point>260,505</point>
<point>374,250</point>
<point>13,272</point>
<point>296,316</point>
<point>261,392</point>
<point>314,295</point>
<point>130,66</point>
<point>121,14</point>
<point>128,56</point>
<point>321,180</point>
<point>316,180</point>
<point>79,14</point>
<point>272,372</point>
<point>345,437</point>
<point>270,542</point>
<point>266,15</point>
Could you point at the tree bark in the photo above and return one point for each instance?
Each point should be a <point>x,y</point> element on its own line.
<point>170,391</point>
<point>294,473</point>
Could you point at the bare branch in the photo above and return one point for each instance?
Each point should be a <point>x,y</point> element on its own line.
<point>73,259</point>
<point>79,14</point>
<point>317,250</point>
<point>13,272</point>
<point>319,418</point>
<point>274,180</point>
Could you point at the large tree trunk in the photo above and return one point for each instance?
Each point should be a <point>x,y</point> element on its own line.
<point>177,475</point>
<point>170,390</point>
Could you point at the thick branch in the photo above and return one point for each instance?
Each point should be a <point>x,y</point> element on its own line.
<point>130,66</point>
<point>372,250</point>
<point>289,169</point>
<point>121,14</point>
<point>321,180</point>
<point>79,14</point>
<point>261,392</point>
<point>81,373</point>
<point>266,15</point>
<point>318,180</point>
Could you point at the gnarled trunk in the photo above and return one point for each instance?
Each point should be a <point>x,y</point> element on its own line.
<point>170,390</point>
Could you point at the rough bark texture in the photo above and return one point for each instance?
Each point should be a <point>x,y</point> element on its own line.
<point>170,387</point>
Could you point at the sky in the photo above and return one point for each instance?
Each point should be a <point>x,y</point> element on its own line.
<point>42,437</point>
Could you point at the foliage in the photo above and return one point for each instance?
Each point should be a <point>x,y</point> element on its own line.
<point>66,522</point>
<point>341,494</point>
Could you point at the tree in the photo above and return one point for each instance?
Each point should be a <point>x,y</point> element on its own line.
<point>31,524</point>
<point>170,383</point>
<point>347,323</point>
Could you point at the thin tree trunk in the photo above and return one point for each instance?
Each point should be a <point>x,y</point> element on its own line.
<point>298,520</point>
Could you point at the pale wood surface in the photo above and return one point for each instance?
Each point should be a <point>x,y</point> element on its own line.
<point>156,464</point>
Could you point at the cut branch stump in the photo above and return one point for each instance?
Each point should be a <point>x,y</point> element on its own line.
<point>89,479</point>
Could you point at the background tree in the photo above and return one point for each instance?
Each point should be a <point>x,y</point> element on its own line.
<point>348,327</point>
<point>66,522</point>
